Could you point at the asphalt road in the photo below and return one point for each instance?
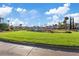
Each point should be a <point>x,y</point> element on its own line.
<point>10,49</point>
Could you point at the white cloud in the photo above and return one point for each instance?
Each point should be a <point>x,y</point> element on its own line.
<point>76,19</point>
<point>51,11</point>
<point>21,10</point>
<point>67,4</point>
<point>49,18</point>
<point>29,14</point>
<point>55,20</point>
<point>16,22</point>
<point>34,14</point>
<point>57,13</point>
<point>60,10</point>
<point>73,15</point>
<point>5,10</point>
<point>26,12</point>
<point>39,24</point>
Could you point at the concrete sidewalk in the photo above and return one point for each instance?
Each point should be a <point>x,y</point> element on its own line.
<point>10,49</point>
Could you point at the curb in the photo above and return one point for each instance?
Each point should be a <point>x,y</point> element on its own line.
<point>46,46</point>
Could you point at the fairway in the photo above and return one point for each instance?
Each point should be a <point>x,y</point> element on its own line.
<point>66,39</point>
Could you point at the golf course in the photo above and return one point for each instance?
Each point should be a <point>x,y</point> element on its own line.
<point>66,39</point>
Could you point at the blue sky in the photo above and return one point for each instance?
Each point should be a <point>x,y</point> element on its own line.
<point>38,14</point>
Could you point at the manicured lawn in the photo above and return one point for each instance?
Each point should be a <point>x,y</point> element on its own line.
<point>67,39</point>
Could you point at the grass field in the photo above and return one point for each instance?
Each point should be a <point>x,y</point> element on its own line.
<point>67,39</point>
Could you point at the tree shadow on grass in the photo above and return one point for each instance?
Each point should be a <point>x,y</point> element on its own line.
<point>46,46</point>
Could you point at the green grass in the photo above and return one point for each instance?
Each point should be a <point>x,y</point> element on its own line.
<point>66,39</point>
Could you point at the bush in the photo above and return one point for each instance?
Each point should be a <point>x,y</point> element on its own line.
<point>68,32</point>
<point>51,31</point>
<point>3,26</point>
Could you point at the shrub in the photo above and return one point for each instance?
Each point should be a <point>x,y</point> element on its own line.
<point>68,32</point>
<point>3,26</point>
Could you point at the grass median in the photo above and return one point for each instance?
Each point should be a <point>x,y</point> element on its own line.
<point>66,39</point>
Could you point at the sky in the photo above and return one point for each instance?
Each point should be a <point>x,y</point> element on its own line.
<point>38,14</point>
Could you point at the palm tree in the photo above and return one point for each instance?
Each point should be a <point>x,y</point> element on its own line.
<point>65,22</point>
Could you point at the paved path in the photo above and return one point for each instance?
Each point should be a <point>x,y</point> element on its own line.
<point>10,49</point>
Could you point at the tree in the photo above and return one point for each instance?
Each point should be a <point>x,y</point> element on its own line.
<point>61,25</point>
<point>71,23</point>
<point>3,26</point>
<point>65,22</point>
